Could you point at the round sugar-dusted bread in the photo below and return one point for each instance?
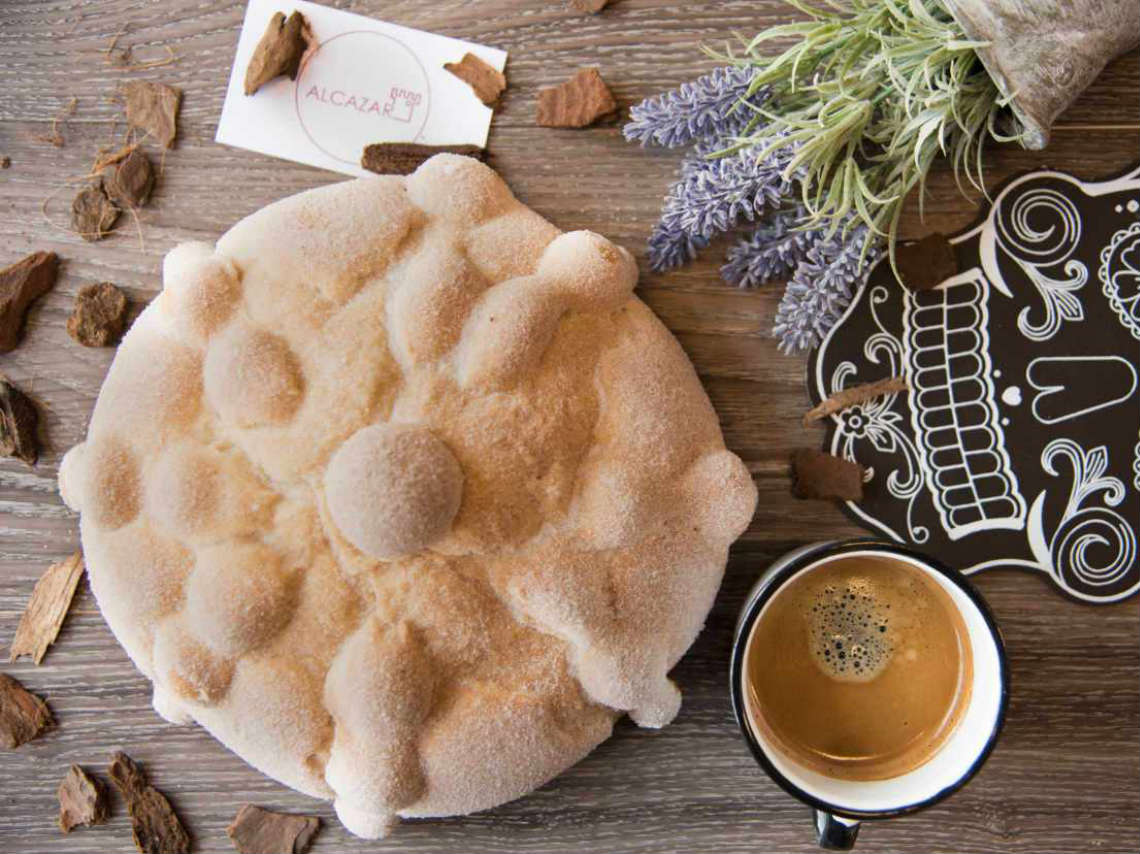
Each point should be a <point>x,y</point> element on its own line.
<point>402,494</point>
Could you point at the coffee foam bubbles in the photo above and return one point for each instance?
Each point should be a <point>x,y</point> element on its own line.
<point>849,630</point>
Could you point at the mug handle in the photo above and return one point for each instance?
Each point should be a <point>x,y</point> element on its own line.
<point>836,833</point>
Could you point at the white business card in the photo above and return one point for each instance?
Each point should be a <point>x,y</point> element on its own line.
<point>366,81</point>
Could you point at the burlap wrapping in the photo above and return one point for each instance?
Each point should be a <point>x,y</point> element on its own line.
<point>1044,53</point>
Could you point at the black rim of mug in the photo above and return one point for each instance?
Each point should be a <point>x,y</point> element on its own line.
<point>744,630</point>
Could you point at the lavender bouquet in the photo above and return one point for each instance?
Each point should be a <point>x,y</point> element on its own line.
<point>806,156</point>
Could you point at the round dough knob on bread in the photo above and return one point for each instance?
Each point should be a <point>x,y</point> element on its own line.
<point>403,495</point>
<point>393,489</point>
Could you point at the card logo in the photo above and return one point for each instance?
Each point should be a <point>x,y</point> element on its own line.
<point>358,88</point>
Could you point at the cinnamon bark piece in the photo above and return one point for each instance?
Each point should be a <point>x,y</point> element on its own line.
<point>403,158</point>
<point>46,610</point>
<point>99,315</point>
<point>19,424</point>
<point>154,824</point>
<point>21,284</point>
<point>925,264</point>
<point>82,800</point>
<point>23,715</point>
<point>485,80</point>
<point>846,397</point>
<point>153,109</point>
<point>280,51</point>
<point>93,214</point>
<point>580,101</point>
<point>130,181</point>
<point>255,830</point>
<point>816,474</point>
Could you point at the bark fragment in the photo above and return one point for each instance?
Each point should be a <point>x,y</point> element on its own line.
<point>580,101</point>
<point>280,51</point>
<point>153,109</point>
<point>19,424</point>
<point>486,81</point>
<point>23,715</point>
<point>591,7</point>
<point>816,474</point>
<point>82,800</point>
<point>925,264</point>
<point>154,825</point>
<point>130,182</point>
<point>93,214</point>
<point>47,609</point>
<point>20,284</point>
<point>99,315</point>
<point>255,830</point>
<point>403,158</point>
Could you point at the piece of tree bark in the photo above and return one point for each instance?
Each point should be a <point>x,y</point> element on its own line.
<point>580,101</point>
<point>98,316</point>
<point>925,264</point>
<point>19,424</point>
<point>280,51</point>
<point>403,158</point>
<point>154,825</point>
<point>153,109</point>
<point>847,397</point>
<point>130,181</point>
<point>23,715</point>
<point>82,800</point>
<point>255,830</point>
<point>591,7</point>
<point>817,474</point>
<point>93,214</point>
<point>20,284</point>
<point>46,610</point>
<point>486,81</point>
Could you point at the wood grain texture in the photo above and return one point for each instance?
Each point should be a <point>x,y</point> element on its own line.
<point>1066,774</point>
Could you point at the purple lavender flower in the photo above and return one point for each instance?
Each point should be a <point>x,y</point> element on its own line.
<point>770,252</point>
<point>707,107</point>
<point>821,288</point>
<point>670,246</point>
<point>713,195</point>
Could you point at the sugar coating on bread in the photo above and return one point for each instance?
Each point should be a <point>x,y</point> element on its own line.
<point>403,495</point>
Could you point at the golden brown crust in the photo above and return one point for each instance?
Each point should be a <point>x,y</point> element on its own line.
<point>565,498</point>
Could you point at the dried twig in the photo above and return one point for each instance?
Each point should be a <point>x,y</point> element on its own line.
<point>103,160</point>
<point>846,397</point>
<point>122,59</point>
<point>128,64</point>
<point>55,137</point>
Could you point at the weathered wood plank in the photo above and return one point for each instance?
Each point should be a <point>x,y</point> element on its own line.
<point>1066,775</point>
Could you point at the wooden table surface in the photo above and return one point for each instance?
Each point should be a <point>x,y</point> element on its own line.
<point>1065,775</point>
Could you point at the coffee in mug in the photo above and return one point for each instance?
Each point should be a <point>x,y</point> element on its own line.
<point>860,670</point>
<point>868,680</point>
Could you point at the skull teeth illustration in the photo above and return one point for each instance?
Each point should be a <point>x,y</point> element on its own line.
<point>952,406</point>
<point>1015,442</point>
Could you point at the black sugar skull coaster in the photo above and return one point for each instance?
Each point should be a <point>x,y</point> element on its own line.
<point>1018,442</point>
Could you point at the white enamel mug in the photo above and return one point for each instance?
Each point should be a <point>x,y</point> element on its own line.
<point>840,805</point>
